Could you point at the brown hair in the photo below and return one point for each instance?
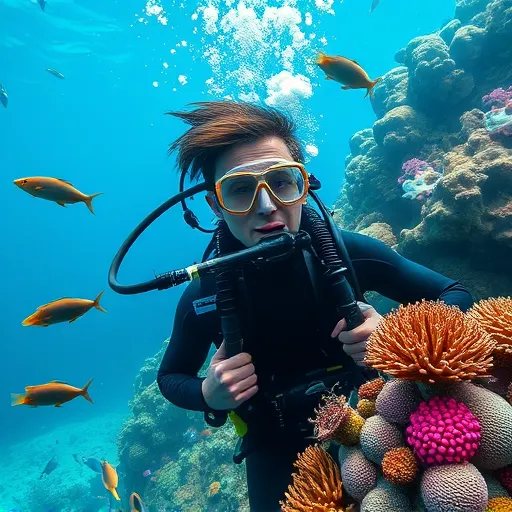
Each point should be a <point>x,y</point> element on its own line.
<point>218,125</point>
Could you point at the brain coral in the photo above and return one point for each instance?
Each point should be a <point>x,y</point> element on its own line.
<point>454,488</point>
<point>358,474</point>
<point>398,400</point>
<point>495,416</point>
<point>378,436</point>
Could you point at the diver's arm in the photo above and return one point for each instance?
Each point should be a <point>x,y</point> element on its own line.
<point>187,351</point>
<point>379,268</point>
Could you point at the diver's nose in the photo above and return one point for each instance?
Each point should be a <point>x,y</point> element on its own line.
<point>265,204</point>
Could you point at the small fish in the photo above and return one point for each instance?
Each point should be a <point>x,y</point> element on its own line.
<point>42,4</point>
<point>92,463</point>
<point>136,503</point>
<point>62,310</point>
<point>375,3</point>
<point>110,478</point>
<point>57,190</point>
<point>4,99</point>
<point>347,72</point>
<point>54,72</point>
<point>50,466</point>
<point>52,393</point>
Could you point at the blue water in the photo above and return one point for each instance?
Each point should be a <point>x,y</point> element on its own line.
<point>103,129</point>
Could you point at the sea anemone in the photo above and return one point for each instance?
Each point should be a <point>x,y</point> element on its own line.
<point>501,504</point>
<point>399,466</point>
<point>443,431</point>
<point>317,485</point>
<point>432,342</point>
<point>370,390</point>
<point>495,317</point>
<point>330,416</point>
<point>366,408</point>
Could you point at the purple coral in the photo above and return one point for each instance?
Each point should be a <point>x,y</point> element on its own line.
<point>498,98</point>
<point>413,168</point>
<point>443,431</point>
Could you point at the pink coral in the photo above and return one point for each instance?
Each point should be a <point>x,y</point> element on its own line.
<point>443,431</point>
<point>413,168</point>
<point>497,98</point>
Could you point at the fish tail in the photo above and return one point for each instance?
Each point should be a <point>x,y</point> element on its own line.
<point>85,393</point>
<point>88,201</point>
<point>18,399</point>
<point>97,302</point>
<point>373,83</point>
<point>114,493</point>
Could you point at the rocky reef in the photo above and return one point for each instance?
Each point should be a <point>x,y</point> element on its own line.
<point>437,107</point>
<point>171,459</point>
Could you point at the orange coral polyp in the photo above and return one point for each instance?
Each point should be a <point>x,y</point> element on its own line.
<point>430,341</point>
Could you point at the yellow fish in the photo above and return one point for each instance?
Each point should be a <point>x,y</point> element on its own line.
<point>347,72</point>
<point>53,393</point>
<point>110,478</point>
<point>55,189</point>
<point>62,310</point>
<point>136,504</point>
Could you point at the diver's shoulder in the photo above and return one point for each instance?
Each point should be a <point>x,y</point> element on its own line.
<point>360,245</point>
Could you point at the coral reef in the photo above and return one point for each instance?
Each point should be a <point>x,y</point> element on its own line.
<point>161,446</point>
<point>446,104</point>
<point>438,441</point>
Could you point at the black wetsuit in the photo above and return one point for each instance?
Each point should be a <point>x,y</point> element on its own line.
<point>287,321</point>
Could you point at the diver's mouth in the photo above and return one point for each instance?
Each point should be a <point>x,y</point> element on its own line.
<point>271,227</point>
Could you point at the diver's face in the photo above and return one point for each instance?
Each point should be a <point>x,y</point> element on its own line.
<point>266,215</point>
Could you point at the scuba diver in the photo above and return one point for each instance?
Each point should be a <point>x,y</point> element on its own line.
<point>287,325</point>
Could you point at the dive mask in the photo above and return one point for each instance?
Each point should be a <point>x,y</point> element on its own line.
<point>287,182</point>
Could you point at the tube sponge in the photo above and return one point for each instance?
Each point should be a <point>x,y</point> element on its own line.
<point>454,488</point>
<point>398,400</point>
<point>358,474</point>
<point>379,436</point>
<point>495,416</point>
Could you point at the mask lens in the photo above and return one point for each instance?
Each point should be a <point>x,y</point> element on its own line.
<point>238,192</point>
<point>287,183</point>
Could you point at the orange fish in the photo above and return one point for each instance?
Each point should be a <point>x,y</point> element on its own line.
<point>213,489</point>
<point>55,189</point>
<point>110,478</point>
<point>53,393</point>
<point>206,432</point>
<point>136,503</point>
<point>62,310</point>
<point>347,72</point>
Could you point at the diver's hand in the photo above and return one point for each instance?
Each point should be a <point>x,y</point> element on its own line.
<point>230,381</point>
<point>354,341</point>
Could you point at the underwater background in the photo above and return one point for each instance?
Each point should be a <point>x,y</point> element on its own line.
<point>102,127</point>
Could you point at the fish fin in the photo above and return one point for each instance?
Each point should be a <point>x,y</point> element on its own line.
<point>76,317</point>
<point>372,85</point>
<point>114,493</point>
<point>61,203</point>
<point>97,302</point>
<point>88,201</point>
<point>346,87</point>
<point>58,405</point>
<point>18,398</point>
<point>60,382</point>
<point>328,77</point>
<point>39,188</point>
<point>85,392</point>
<point>65,181</point>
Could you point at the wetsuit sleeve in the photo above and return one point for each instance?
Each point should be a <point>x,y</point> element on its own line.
<point>381,269</point>
<point>186,352</point>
